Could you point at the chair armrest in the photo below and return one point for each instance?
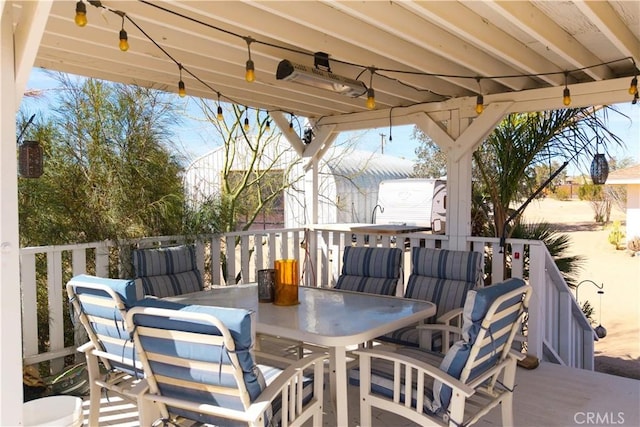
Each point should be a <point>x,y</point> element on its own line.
<point>86,347</point>
<point>288,385</point>
<point>421,368</point>
<point>451,315</point>
<point>426,329</point>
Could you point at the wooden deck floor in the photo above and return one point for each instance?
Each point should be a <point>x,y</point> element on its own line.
<point>549,396</point>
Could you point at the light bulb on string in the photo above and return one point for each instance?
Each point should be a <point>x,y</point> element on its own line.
<point>182,91</point>
<point>633,87</point>
<point>219,115</point>
<point>479,104</point>
<point>81,14</point>
<point>291,123</point>
<point>246,119</point>
<point>250,74</point>
<point>566,93</point>
<point>267,126</point>
<point>371,94</point>
<point>479,98</point>
<point>124,39</point>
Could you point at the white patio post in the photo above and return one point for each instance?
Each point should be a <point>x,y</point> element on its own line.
<point>18,48</point>
<point>10,314</point>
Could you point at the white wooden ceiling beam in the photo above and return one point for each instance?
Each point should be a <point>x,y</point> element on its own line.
<point>26,39</point>
<point>293,138</point>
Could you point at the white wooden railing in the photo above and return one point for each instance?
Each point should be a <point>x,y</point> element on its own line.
<point>557,330</point>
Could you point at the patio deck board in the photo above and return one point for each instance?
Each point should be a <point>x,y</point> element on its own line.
<point>551,395</point>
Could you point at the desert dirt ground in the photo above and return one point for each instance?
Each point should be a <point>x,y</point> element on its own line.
<point>618,309</point>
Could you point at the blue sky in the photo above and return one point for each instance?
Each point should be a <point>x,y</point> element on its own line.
<point>194,137</point>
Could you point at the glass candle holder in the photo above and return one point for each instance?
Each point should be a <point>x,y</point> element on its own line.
<point>266,284</point>
<point>286,289</point>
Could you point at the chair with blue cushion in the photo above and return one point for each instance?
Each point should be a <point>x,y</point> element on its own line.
<point>443,277</point>
<point>372,270</point>
<point>199,365</point>
<point>101,305</point>
<point>167,271</point>
<point>475,375</point>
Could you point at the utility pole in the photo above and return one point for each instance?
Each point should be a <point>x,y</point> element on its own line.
<point>383,141</point>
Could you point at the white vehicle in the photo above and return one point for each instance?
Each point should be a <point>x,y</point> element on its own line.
<point>412,201</point>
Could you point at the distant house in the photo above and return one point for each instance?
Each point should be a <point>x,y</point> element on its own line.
<point>631,178</point>
<point>347,189</point>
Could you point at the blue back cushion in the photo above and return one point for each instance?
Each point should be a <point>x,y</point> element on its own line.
<point>372,270</point>
<point>101,305</point>
<point>238,321</point>
<point>163,261</point>
<point>475,309</point>
<point>165,272</point>
<point>443,277</point>
<point>372,262</point>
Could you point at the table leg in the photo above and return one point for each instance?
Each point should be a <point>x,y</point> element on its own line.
<point>338,383</point>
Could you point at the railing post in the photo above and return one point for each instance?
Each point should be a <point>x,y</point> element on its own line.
<point>29,299</point>
<point>536,322</point>
<point>56,320</point>
<point>102,261</point>
<point>566,342</point>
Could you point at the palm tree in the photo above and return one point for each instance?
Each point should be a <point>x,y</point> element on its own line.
<point>505,161</point>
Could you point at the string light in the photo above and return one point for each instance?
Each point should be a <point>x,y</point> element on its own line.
<point>268,126</point>
<point>291,123</point>
<point>566,94</point>
<point>246,119</point>
<point>371,94</point>
<point>633,88</point>
<point>124,39</point>
<point>479,104</point>
<point>479,98</point>
<point>182,91</point>
<point>250,74</point>
<point>81,14</point>
<point>81,20</point>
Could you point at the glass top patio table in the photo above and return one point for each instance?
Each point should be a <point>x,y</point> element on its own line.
<point>326,317</point>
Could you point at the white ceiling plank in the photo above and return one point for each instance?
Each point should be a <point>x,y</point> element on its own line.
<point>464,23</point>
<point>610,24</point>
<point>544,30</point>
<point>408,26</point>
<point>344,37</point>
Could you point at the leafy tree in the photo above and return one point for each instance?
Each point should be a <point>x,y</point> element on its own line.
<point>255,171</point>
<point>108,173</point>
<point>506,159</point>
<point>432,162</point>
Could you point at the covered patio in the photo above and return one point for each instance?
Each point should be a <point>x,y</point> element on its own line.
<point>454,69</point>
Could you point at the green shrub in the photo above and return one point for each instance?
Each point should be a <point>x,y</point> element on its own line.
<point>616,236</point>
<point>562,193</point>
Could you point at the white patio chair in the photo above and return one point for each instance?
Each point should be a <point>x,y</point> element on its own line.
<point>474,376</point>
<point>199,365</point>
<point>442,277</point>
<point>101,305</point>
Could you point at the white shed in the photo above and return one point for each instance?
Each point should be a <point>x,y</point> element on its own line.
<point>631,178</point>
<point>348,182</point>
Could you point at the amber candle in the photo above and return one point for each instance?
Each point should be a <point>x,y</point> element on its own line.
<point>286,289</point>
